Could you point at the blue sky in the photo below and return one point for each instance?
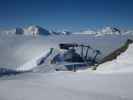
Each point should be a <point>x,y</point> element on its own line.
<point>73,15</point>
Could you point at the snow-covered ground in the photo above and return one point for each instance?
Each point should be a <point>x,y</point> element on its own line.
<point>111,81</point>
<point>123,63</point>
<point>67,86</point>
<point>71,86</point>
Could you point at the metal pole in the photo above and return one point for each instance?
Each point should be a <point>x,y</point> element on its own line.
<point>82,51</point>
<point>86,53</point>
<point>74,66</point>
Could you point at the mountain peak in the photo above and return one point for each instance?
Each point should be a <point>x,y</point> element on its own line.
<point>35,30</point>
<point>111,30</point>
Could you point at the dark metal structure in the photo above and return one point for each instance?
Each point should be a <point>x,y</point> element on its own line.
<point>86,58</point>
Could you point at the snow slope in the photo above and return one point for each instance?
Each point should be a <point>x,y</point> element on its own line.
<point>29,65</point>
<point>123,63</point>
<point>15,51</point>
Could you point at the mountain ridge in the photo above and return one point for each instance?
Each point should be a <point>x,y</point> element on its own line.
<point>35,30</point>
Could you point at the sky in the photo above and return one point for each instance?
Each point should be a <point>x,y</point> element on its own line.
<point>72,15</point>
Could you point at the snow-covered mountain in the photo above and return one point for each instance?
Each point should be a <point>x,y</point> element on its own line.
<point>16,31</point>
<point>101,32</point>
<point>129,32</point>
<point>35,30</point>
<point>31,30</point>
<point>109,31</point>
<point>60,33</point>
<point>66,33</point>
<point>106,31</point>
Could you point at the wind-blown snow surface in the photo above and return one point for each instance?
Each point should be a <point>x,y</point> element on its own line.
<point>123,63</point>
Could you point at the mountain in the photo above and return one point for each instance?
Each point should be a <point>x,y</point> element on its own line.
<point>17,31</point>
<point>66,33</point>
<point>129,32</point>
<point>109,31</point>
<point>35,30</point>
<point>60,33</point>
<point>101,32</point>
<point>31,30</point>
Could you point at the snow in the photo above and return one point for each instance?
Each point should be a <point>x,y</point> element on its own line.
<point>35,30</point>
<point>109,31</point>
<point>106,31</point>
<point>17,50</point>
<point>123,63</point>
<point>112,81</point>
<point>32,63</point>
<point>102,32</point>
<point>67,86</point>
<point>32,30</point>
<point>88,31</point>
